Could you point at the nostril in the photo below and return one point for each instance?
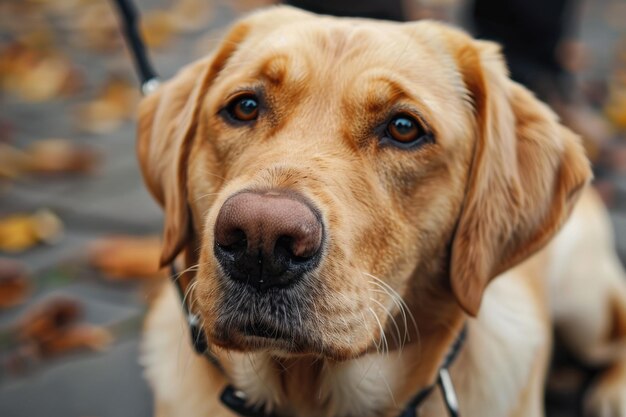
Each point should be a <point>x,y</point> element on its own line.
<point>285,248</point>
<point>233,241</point>
<point>294,249</point>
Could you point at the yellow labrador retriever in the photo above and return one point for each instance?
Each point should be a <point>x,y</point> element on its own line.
<point>344,192</point>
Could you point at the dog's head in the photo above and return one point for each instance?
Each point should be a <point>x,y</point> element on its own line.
<point>318,169</point>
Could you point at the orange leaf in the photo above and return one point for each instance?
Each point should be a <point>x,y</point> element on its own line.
<point>127,257</point>
<point>15,284</point>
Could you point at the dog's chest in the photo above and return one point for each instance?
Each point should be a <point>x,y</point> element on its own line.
<point>354,388</point>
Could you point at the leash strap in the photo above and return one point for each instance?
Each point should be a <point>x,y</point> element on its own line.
<point>130,18</point>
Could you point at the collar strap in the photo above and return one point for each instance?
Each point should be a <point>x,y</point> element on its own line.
<point>198,338</point>
<point>443,381</point>
<point>236,400</point>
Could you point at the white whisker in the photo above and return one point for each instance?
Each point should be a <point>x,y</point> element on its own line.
<point>382,333</point>
<point>397,338</point>
<point>402,306</point>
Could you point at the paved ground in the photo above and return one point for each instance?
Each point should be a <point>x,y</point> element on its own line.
<point>107,384</point>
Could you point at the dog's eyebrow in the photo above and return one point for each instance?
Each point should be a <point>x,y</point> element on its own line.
<point>280,68</point>
<point>274,69</point>
<point>384,93</point>
<point>378,99</point>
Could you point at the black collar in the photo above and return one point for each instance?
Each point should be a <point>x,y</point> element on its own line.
<point>236,400</point>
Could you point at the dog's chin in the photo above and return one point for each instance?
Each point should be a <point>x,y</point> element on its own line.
<point>259,339</point>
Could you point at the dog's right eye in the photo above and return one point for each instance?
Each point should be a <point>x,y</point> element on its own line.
<point>244,108</point>
<point>406,132</point>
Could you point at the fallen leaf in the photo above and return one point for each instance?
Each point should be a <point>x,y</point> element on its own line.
<point>191,15</point>
<point>52,327</point>
<point>36,75</point>
<point>615,108</point>
<point>157,28</point>
<point>80,336</point>
<point>48,227</point>
<point>44,320</point>
<point>15,284</point>
<point>20,232</point>
<point>61,156</point>
<point>13,161</point>
<point>17,233</point>
<point>95,26</point>
<point>128,257</point>
<point>115,103</point>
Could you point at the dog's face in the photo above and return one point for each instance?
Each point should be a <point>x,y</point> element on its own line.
<point>322,171</point>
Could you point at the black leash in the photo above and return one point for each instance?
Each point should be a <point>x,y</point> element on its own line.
<point>130,19</point>
<point>232,398</point>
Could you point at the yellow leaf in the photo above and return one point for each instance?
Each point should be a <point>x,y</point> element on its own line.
<point>127,257</point>
<point>115,103</point>
<point>61,156</point>
<point>17,233</point>
<point>157,28</point>
<point>20,232</point>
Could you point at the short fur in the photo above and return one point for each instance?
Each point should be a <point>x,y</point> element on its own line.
<point>414,236</point>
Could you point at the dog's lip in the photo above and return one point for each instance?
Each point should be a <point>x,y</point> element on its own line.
<point>264,330</point>
<point>246,337</point>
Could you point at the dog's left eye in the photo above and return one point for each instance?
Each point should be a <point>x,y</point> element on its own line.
<point>404,130</point>
<point>244,108</point>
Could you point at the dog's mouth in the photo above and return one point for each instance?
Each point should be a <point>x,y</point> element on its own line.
<point>285,321</point>
<point>260,335</point>
<point>265,330</point>
<point>251,320</point>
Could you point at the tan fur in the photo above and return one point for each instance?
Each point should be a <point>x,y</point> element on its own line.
<point>414,237</point>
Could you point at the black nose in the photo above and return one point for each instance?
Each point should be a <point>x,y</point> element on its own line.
<point>267,239</point>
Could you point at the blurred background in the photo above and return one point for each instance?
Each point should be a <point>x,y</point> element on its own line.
<point>79,235</point>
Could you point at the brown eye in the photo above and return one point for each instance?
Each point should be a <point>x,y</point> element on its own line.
<point>404,129</point>
<point>244,109</point>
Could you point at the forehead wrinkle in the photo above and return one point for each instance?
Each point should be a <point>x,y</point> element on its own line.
<point>281,68</point>
<point>396,89</point>
<point>273,69</point>
<point>378,98</point>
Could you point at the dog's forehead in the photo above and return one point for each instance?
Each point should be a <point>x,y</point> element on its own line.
<point>351,60</point>
<point>346,45</point>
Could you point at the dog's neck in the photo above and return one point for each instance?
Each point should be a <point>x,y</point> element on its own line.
<point>374,384</point>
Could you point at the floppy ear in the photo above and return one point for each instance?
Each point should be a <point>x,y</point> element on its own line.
<point>168,119</point>
<point>526,175</point>
<point>167,124</point>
